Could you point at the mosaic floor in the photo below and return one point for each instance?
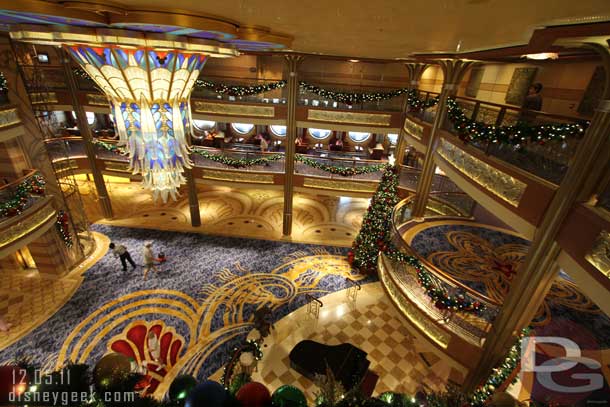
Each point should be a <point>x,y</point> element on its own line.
<point>369,321</point>
<point>200,303</point>
<point>255,213</point>
<point>486,259</point>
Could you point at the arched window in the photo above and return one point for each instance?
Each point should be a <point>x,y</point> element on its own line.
<point>204,125</point>
<point>358,137</point>
<point>319,134</point>
<point>278,130</point>
<point>242,128</point>
<point>90,117</point>
<point>393,138</point>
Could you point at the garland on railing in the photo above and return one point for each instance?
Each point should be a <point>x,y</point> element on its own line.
<point>350,98</point>
<point>63,228</point>
<point>340,170</point>
<point>113,148</point>
<point>250,346</point>
<point>238,162</point>
<point>418,104</point>
<point>500,374</point>
<point>439,296</point>
<point>19,201</point>
<point>3,83</point>
<point>517,135</point>
<point>237,90</point>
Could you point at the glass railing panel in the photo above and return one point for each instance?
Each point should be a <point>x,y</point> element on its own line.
<point>310,99</point>
<point>65,147</point>
<point>19,195</point>
<point>275,96</point>
<point>203,162</point>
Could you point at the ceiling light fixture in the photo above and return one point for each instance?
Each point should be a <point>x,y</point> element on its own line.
<point>542,56</point>
<point>354,60</point>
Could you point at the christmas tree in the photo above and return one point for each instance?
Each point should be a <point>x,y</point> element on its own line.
<point>374,235</point>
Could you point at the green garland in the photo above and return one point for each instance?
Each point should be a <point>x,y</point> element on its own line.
<point>237,162</point>
<point>248,346</point>
<point>338,170</point>
<point>62,225</point>
<point>500,374</point>
<point>237,90</point>
<point>441,299</point>
<point>417,104</point>
<point>3,83</point>
<point>113,148</point>
<point>517,135</point>
<point>19,201</point>
<point>350,98</point>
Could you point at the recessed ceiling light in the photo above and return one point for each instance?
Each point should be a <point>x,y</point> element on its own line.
<point>542,55</point>
<point>354,60</point>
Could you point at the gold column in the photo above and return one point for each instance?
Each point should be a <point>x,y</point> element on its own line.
<point>453,72</point>
<point>193,198</point>
<point>536,275</point>
<point>292,62</point>
<point>85,132</point>
<point>415,72</point>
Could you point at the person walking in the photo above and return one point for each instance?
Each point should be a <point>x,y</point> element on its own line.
<point>121,252</point>
<point>149,259</point>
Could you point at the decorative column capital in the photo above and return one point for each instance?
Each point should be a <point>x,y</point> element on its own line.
<point>416,69</point>
<point>293,62</point>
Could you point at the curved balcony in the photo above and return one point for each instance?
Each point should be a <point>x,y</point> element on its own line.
<point>27,212</point>
<point>10,123</point>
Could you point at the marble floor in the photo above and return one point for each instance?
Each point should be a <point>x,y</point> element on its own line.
<point>370,322</point>
<point>243,212</point>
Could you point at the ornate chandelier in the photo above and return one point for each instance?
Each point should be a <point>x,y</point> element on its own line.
<point>148,80</point>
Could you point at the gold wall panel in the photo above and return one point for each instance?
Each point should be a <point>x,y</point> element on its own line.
<point>349,117</point>
<point>233,109</point>
<point>43,97</point>
<point>495,181</point>
<point>97,99</point>
<point>413,129</point>
<point>9,117</point>
<point>599,256</point>
<point>339,185</point>
<point>235,176</point>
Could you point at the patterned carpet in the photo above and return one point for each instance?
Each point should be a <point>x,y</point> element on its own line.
<point>487,259</point>
<point>200,304</point>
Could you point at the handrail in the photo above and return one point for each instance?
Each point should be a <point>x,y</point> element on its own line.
<point>18,180</point>
<point>447,278</point>
<point>354,282</point>
<point>311,298</point>
<point>63,138</point>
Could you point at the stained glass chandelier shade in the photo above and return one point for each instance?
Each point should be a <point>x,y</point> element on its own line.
<point>149,94</point>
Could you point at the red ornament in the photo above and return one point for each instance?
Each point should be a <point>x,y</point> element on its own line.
<point>253,394</point>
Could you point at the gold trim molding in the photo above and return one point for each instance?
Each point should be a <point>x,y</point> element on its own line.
<point>235,176</point>
<point>336,185</point>
<point>599,256</point>
<point>233,109</point>
<point>495,181</point>
<point>9,117</point>
<point>375,119</point>
<point>97,100</point>
<point>413,129</point>
<point>116,167</point>
<point>43,97</point>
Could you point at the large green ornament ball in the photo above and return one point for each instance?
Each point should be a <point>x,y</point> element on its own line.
<point>111,370</point>
<point>181,387</point>
<point>288,396</point>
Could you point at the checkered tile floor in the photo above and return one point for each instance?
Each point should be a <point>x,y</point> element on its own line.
<point>371,324</point>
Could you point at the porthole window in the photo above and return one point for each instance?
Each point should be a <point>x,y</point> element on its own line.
<point>90,117</point>
<point>242,128</point>
<point>393,138</point>
<point>358,148</point>
<point>358,137</point>
<point>319,134</point>
<point>204,125</point>
<point>278,130</point>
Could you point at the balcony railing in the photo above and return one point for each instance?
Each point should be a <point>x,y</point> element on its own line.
<point>203,162</point>
<point>549,160</point>
<point>276,96</point>
<point>64,147</point>
<point>21,194</point>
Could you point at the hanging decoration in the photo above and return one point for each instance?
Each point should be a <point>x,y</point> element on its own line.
<point>3,83</point>
<point>417,104</point>
<point>517,135</point>
<point>338,170</point>
<point>237,90</point>
<point>20,199</point>
<point>499,374</point>
<point>237,162</point>
<point>63,228</point>
<point>350,98</point>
